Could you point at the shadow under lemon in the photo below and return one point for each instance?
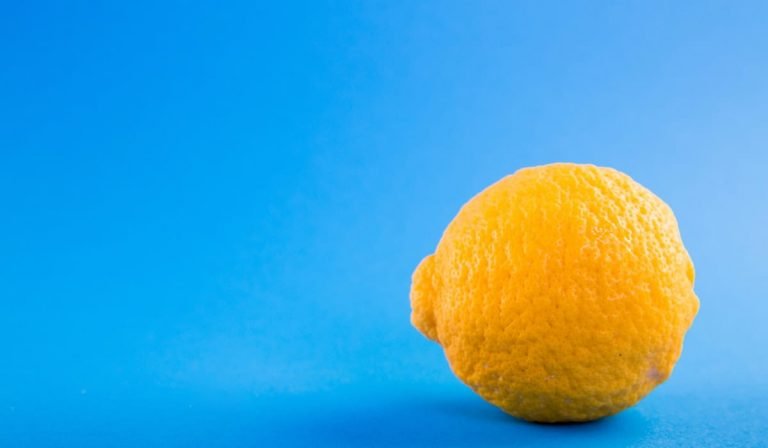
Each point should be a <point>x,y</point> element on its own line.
<point>461,420</point>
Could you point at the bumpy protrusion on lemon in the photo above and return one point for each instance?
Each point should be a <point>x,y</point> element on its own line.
<point>560,293</point>
<point>422,293</point>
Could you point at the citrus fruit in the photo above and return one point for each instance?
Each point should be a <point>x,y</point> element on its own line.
<point>560,293</point>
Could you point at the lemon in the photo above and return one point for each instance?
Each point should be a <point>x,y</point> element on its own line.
<point>560,293</point>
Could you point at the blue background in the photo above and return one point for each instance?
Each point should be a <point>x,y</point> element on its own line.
<point>210,214</point>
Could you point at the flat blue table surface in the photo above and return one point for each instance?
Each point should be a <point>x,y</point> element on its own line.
<point>210,214</point>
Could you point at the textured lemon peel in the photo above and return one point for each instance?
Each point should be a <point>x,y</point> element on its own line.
<point>560,293</point>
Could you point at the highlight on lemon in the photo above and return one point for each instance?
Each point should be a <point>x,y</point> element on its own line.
<point>560,293</point>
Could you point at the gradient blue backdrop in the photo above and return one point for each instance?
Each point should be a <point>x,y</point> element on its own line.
<point>210,214</point>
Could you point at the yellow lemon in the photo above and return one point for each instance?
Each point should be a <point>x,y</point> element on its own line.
<point>560,293</point>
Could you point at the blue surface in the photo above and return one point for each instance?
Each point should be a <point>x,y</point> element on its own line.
<point>210,214</point>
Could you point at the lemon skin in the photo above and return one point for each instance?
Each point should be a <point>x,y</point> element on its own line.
<point>560,293</point>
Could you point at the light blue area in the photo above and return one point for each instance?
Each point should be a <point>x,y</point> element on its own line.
<point>210,214</point>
